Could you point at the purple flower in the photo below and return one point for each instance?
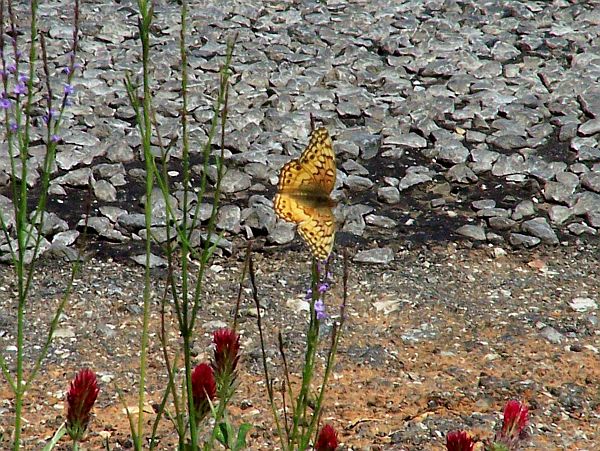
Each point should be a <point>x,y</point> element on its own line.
<point>20,89</point>
<point>19,54</point>
<point>4,103</point>
<point>11,68</point>
<point>323,287</point>
<point>69,90</point>
<point>55,138</point>
<point>308,294</point>
<point>13,127</point>
<point>47,117</point>
<point>23,78</point>
<point>320,309</point>
<point>66,70</point>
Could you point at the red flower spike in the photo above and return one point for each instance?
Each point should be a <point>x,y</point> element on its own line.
<point>80,399</point>
<point>516,418</point>
<point>459,441</point>
<point>327,440</point>
<point>204,389</point>
<point>227,353</point>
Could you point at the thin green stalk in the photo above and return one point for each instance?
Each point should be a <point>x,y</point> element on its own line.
<point>146,13</point>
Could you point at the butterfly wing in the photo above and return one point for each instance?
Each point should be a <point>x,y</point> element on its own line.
<point>316,223</point>
<point>318,160</point>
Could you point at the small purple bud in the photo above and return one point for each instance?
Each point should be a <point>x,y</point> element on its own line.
<point>11,68</point>
<point>19,54</point>
<point>55,138</point>
<point>23,78</point>
<point>13,127</point>
<point>77,66</point>
<point>66,70</point>
<point>323,287</point>
<point>69,90</point>
<point>20,89</point>
<point>4,103</point>
<point>308,294</point>
<point>320,309</point>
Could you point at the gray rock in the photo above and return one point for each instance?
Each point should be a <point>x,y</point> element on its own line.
<point>358,183</point>
<point>524,209</point>
<point>577,228</point>
<point>509,164</point>
<point>78,178</point>
<point>65,238</point>
<point>500,223</point>
<point>520,240</point>
<point>557,192</point>
<point>552,335</point>
<point>380,221</point>
<point>451,151</point>
<point>234,181</point>
<point>590,127</point>
<point>540,228</point>
<point>354,221</point>
<point>282,232</point>
<point>493,212</point>
<point>382,255</point>
<point>483,160</point>
<point>154,262</point>
<point>582,305</point>
<point>389,194</point>
<point>483,203</point>
<point>229,218</point>
<point>559,214</point>
<point>585,202</point>
<point>414,177</point>
<point>461,173</point>
<point>104,191</point>
<point>472,232</point>
<point>591,181</point>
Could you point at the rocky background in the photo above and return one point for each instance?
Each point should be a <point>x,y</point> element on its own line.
<point>448,118</point>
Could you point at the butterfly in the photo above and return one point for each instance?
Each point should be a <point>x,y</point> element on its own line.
<point>303,194</point>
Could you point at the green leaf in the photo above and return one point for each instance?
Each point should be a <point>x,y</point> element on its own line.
<point>225,434</point>
<point>57,436</point>
<point>240,443</point>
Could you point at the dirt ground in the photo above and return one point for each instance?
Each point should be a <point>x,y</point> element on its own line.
<point>438,340</point>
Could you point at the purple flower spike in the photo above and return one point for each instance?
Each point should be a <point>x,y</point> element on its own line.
<point>320,309</point>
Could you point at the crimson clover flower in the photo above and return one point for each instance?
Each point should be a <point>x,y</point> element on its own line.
<point>204,389</point>
<point>226,355</point>
<point>80,399</point>
<point>514,422</point>
<point>327,439</point>
<point>516,418</point>
<point>459,441</point>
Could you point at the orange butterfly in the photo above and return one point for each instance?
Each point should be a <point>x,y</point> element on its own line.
<point>303,194</point>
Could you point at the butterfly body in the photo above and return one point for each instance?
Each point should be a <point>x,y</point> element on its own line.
<point>303,194</point>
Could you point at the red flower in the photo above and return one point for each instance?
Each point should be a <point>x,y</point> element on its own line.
<point>459,441</point>
<point>327,440</point>
<point>516,418</point>
<point>227,354</point>
<point>80,399</point>
<point>204,389</point>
